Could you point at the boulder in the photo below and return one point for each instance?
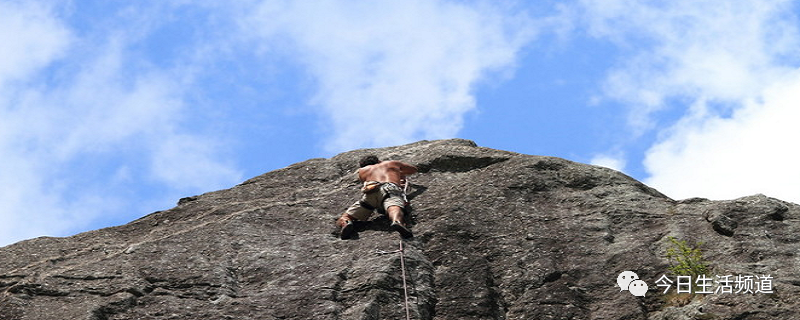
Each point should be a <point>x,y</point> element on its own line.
<point>498,235</point>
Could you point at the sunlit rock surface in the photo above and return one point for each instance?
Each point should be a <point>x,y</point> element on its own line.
<point>498,235</point>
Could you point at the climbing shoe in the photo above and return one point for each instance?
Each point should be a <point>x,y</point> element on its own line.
<point>404,232</point>
<point>347,230</point>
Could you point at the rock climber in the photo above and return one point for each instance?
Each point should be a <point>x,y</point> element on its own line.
<point>381,189</point>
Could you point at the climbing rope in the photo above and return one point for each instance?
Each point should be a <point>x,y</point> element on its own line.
<point>405,287</point>
<point>402,256</point>
<point>403,269</point>
<point>405,190</point>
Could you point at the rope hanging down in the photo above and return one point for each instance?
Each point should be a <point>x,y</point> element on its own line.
<point>403,269</point>
<point>405,287</point>
<point>405,190</point>
<point>402,257</point>
<point>402,254</point>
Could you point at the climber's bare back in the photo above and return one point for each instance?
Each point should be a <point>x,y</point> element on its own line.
<point>387,171</point>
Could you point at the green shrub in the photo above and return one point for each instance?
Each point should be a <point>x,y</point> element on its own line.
<point>686,260</point>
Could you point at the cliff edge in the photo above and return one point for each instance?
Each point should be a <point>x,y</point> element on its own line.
<point>498,235</point>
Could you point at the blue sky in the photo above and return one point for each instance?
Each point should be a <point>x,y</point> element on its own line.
<point>110,110</point>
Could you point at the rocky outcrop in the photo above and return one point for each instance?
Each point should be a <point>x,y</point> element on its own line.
<point>498,235</point>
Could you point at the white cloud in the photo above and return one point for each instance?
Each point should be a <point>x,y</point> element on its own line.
<point>751,152</point>
<point>85,122</point>
<point>187,162</point>
<point>30,38</point>
<point>615,162</point>
<point>713,61</point>
<point>677,49</point>
<point>390,72</point>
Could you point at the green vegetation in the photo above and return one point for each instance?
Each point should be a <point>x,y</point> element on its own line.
<point>686,260</point>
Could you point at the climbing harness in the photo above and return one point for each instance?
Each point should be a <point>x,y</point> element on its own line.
<point>373,186</point>
<point>403,268</point>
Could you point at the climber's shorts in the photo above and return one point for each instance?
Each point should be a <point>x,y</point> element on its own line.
<point>389,194</point>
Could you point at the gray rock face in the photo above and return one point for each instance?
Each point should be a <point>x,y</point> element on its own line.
<point>498,235</point>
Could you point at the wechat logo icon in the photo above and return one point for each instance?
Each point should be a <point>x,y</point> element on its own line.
<point>628,280</point>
